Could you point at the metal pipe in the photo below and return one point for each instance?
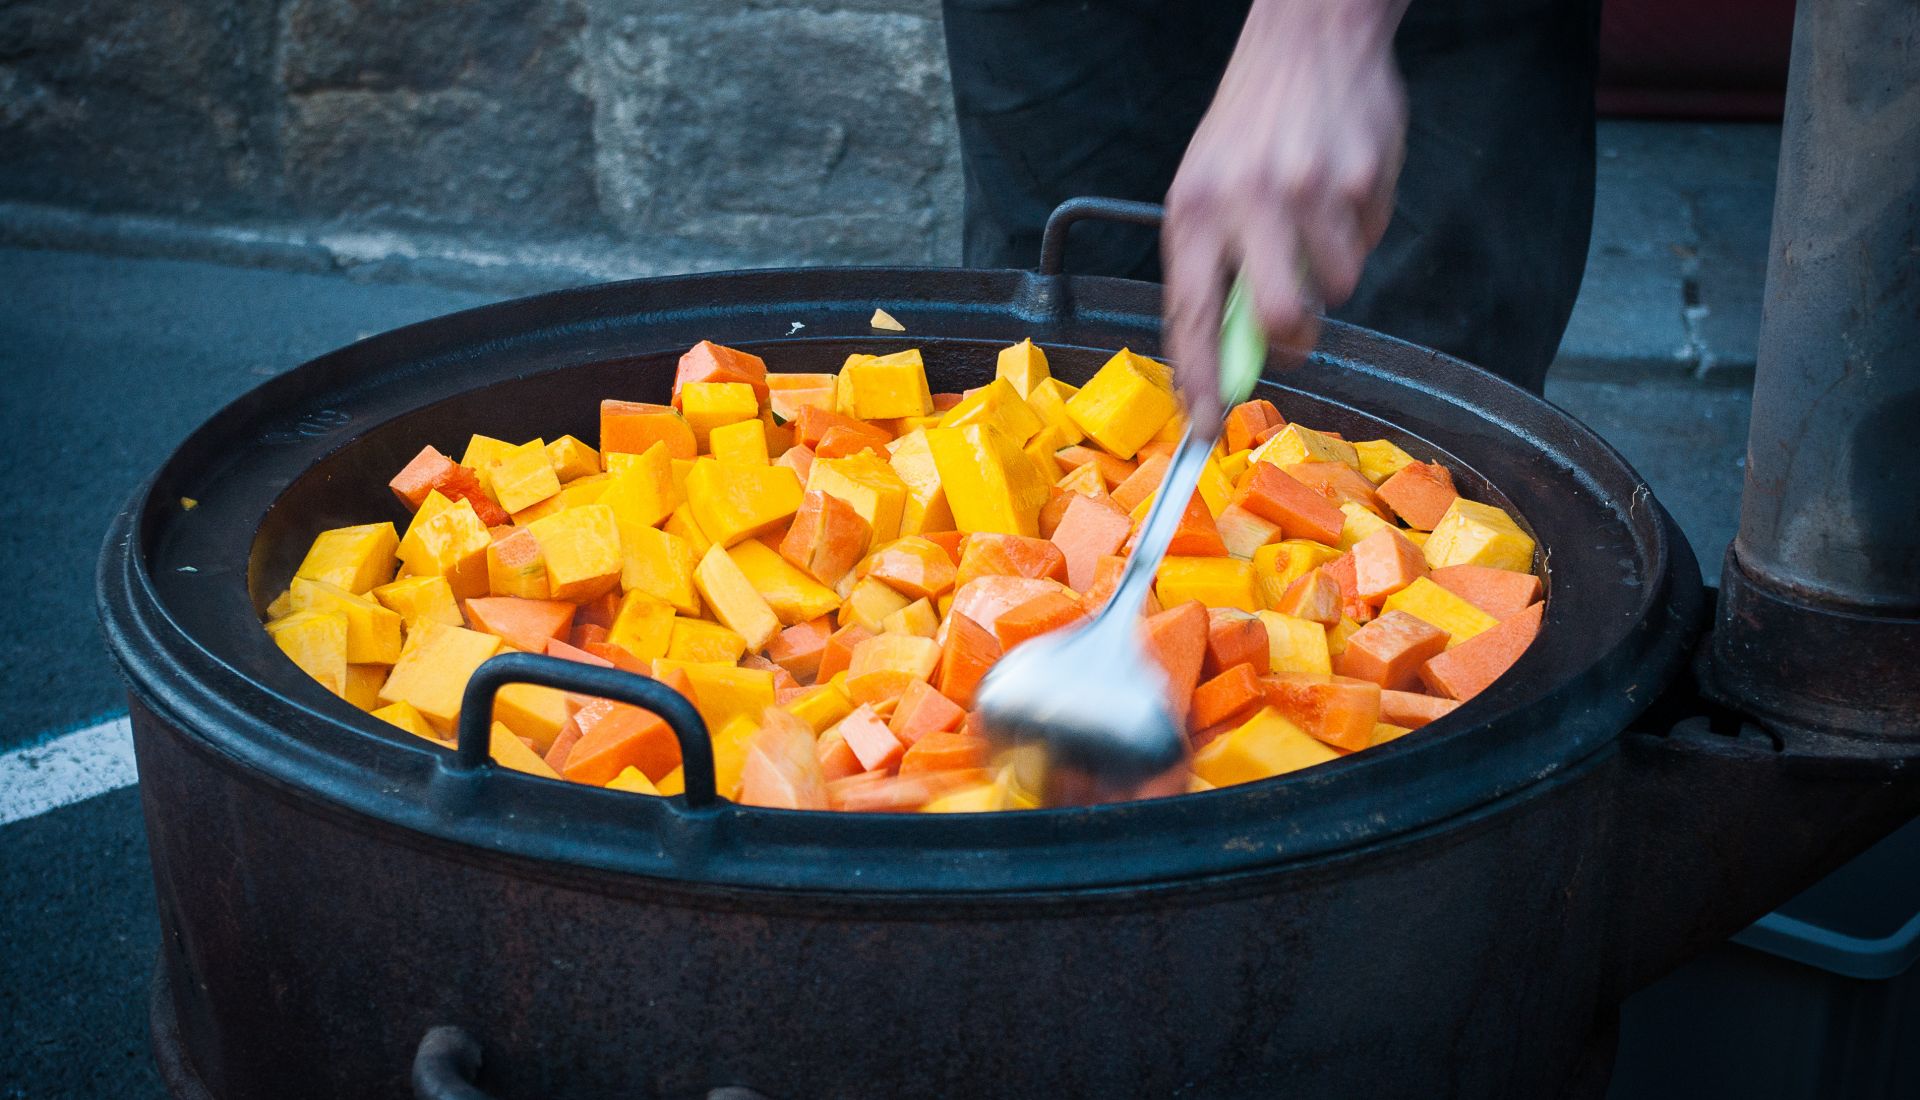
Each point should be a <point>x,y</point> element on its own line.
<point>1831,512</point>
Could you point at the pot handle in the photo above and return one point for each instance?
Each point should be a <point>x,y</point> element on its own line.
<point>444,1065</point>
<point>1053,239</point>
<point>476,711</point>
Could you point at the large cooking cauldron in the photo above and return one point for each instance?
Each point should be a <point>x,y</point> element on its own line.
<point>1452,915</point>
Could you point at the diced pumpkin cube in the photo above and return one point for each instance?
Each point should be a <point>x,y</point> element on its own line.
<point>643,626</point>
<point>991,486</point>
<point>787,394</point>
<point>1250,424</point>
<point>1380,459</point>
<point>794,596</point>
<point>509,751</point>
<point>1437,607</point>
<point>316,641</point>
<point>572,459</point>
<point>481,453</point>
<point>516,567</point>
<point>745,442</point>
<point>660,565</point>
<point>1390,650</point>
<point>923,710</point>
<point>641,489</point>
<point>523,477</point>
<point>869,603</point>
<point>1022,366</point>
<point>525,625</point>
<point>1278,565</point>
<point>990,554</point>
<point>733,501</point>
<point>633,781</point>
<point>1125,403</point>
<point>1296,645</point>
<point>534,712</point>
<point>433,671</point>
<point>708,405</point>
<point>447,539</point>
<point>918,618</point>
<point>734,600</point>
<point>1471,533</point>
<point>723,692</point>
<point>1048,399</point>
<point>1295,444</point>
<point>373,631</point>
<point>582,549</point>
<point>353,558</point>
<point>1341,712</point>
<point>882,387</point>
<point>681,525</point>
<point>969,650</point>
<point>1176,639</point>
<point>1357,523</point>
<point>632,427</point>
<point>420,599</point>
<point>871,741</point>
<point>868,483</point>
<point>821,706</point>
<point>827,537</point>
<point>704,642</point>
<point>407,718</point>
<point>1384,562</point>
<point>1265,746</point>
<point>925,509</point>
<point>999,404</point>
<point>914,567</point>
<point>1420,493</point>
<point>884,665</point>
<point>1412,709</point>
<point>1501,593</point>
<point>1214,582</point>
<point>781,769</point>
<point>1090,529</point>
<point>1299,511</point>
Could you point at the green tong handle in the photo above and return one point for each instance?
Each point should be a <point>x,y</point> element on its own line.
<point>1243,346</point>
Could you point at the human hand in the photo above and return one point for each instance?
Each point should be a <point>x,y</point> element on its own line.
<point>1289,179</point>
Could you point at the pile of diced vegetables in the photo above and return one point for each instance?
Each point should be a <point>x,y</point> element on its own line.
<point>826,566</point>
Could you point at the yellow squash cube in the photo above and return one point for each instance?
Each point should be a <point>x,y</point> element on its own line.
<point>794,596</point>
<point>404,716</point>
<point>708,405</point>
<point>433,671</point>
<point>683,526</point>
<point>353,558</point>
<point>1297,444</point>
<point>641,490</point>
<point>883,387</point>
<point>659,564</point>
<point>582,548</point>
<point>705,643</point>
<point>731,743</point>
<point>1215,582</point>
<point>1296,645</point>
<point>373,631</point>
<point>363,685</point>
<point>999,404</point>
<point>1125,403</point>
<point>734,501</point>
<point>1265,746</point>
<point>533,712</point>
<point>317,642</point>
<point>1023,366</point>
<point>482,452</point>
<point>1216,488</point>
<point>867,483</point>
<point>787,394</point>
<point>447,539</point>
<point>1380,459</point>
<point>917,618</point>
<point>821,706</point>
<point>1277,565</point>
<point>869,604</point>
<point>925,510</point>
<point>509,751</point>
<point>523,477</point>
<point>991,485</point>
<point>633,781</point>
<point>420,599</point>
<point>744,442</point>
<point>1048,400</point>
<point>643,626</point>
<point>1040,450</point>
<point>1479,534</point>
<point>724,692</point>
<point>1359,524</point>
<point>733,599</point>
<point>572,459</point>
<point>1440,609</point>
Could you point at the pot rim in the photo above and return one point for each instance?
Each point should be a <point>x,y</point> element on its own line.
<point>1604,652</point>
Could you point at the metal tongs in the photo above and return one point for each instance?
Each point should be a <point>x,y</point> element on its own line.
<point>1088,697</point>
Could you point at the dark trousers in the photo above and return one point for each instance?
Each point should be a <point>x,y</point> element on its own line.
<point>1483,257</point>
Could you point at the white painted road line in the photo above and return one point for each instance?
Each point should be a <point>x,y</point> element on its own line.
<point>68,769</point>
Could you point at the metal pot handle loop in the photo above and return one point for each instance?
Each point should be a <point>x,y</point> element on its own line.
<point>476,711</point>
<point>444,1065</point>
<point>1053,239</point>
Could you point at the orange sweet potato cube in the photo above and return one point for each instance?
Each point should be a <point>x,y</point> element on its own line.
<point>1177,639</point>
<point>1251,423</point>
<point>782,768</point>
<point>1390,650</point>
<point>1300,511</point>
<point>883,666</point>
<point>1337,710</point>
<point>1040,615</point>
<point>1090,529</point>
<point>827,537</point>
<point>944,751</point>
<point>914,566</point>
<point>614,736</point>
<point>1142,483</point>
<point>633,427</point>
<point>991,554</point>
<point>1234,638</point>
<point>799,648</point>
<point>870,739</point>
<point>1468,668</point>
<point>1231,695</point>
<point>1315,597</point>
<point>1501,593</point>
<point>1384,563</point>
<point>1419,493</point>
<point>923,710</point>
<point>970,650</point>
<point>1412,709</point>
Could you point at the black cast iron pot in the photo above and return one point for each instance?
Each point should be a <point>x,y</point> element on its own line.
<point>1453,914</point>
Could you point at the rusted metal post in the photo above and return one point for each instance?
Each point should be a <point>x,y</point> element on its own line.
<point>1816,619</point>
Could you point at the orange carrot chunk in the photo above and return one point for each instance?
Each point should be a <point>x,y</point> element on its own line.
<point>1390,650</point>
<point>1465,670</point>
<point>633,427</point>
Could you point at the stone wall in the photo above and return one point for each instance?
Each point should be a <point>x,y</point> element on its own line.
<point>640,135</point>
